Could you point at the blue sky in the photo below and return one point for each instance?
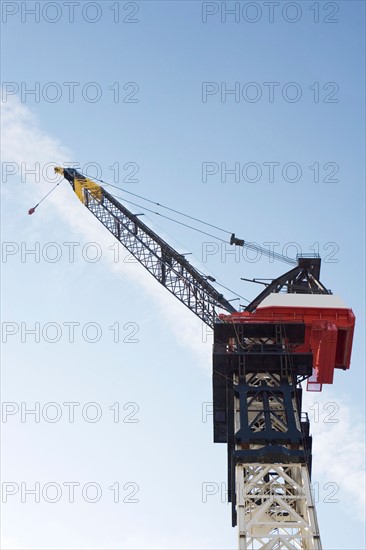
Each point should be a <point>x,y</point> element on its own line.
<point>164,127</point>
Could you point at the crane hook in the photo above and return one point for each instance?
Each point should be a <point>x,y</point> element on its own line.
<point>32,210</point>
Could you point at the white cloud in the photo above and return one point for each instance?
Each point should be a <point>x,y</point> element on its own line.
<point>338,447</point>
<point>25,142</point>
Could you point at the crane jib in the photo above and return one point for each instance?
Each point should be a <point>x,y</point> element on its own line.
<point>169,267</point>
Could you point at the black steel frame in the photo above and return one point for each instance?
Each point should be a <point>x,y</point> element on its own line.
<point>304,279</point>
<point>253,368</point>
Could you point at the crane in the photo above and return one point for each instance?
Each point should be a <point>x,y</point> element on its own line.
<point>294,330</point>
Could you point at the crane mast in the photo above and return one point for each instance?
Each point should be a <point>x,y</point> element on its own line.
<point>260,358</point>
<point>257,412</point>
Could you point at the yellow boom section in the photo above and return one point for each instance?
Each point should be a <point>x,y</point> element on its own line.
<point>79,184</point>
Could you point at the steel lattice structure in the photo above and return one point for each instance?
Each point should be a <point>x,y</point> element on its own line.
<point>168,267</point>
<point>275,508</point>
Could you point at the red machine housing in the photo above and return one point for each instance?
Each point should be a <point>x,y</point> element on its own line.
<point>329,327</point>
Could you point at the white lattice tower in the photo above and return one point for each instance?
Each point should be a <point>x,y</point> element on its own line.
<point>274,504</point>
<point>275,509</point>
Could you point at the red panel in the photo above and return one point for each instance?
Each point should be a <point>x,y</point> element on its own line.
<point>328,333</point>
